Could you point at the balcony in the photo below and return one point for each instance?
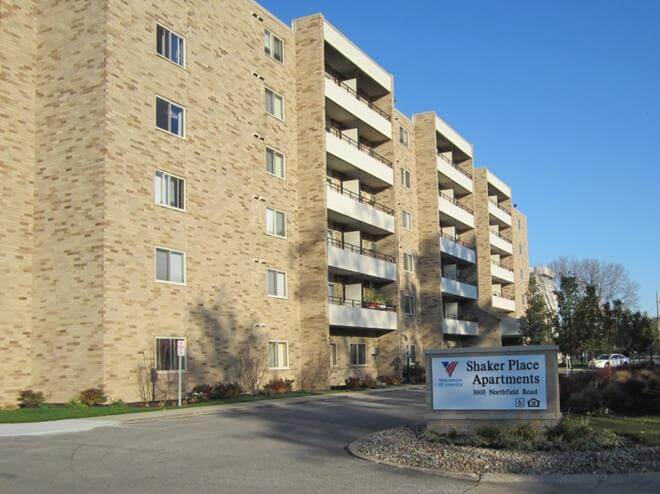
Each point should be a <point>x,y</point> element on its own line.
<point>452,246</point>
<point>501,217</point>
<point>348,259</point>
<point>348,313</point>
<point>449,206</point>
<point>459,288</point>
<point>459,325</point>
<point>503,302</point>
<point>454,174</point>
<point>501,274</point>
<point>498,184</point>
<point>360,108</point>
<point>500,245</point>
<point>353,209</point>
<point>352,158</point>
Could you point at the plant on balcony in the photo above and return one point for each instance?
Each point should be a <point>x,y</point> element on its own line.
<point>373,298</point>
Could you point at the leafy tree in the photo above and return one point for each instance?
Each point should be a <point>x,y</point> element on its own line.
<point>536,324</point>
<point>589,327</point>
<point>567,331</point>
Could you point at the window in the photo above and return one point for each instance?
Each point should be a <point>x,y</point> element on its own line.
<point>170,265</point>
<point>169,190</point>
<point>405,178</point>
<point>408,305</point>
<point>275,222</point>
<point>278,354</point>
<point>520,249</point>
<point>273,46</point>
<point>166,358</point>
<point>407,220</point>
<point>169,117</point>
<point>170,45</point>
<point>404,137</point>
<point>411,354</point>
<point>333,355</point>
<point>408,262</point>
<point>274,104</point>
<point>522,274</point>
<point>276,283</point>
<point>519,225</point>
<point>358,354</point>
<point>275,163</point>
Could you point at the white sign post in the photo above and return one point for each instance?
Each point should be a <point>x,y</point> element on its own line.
<point>180,352</point>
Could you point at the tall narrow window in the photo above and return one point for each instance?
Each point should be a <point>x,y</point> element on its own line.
<point>275,163</point>
<point>358,354</point>
<point>333,355</point>
<point>277,283</point>
<point>408,262</point>
<point>166,357</point>
<point>406,178</point>
<point>273,46</point>
<point>170,117</point>
<point>170,265</point>
<point>406,219</point>
<point>169,190</point>
<point>275,222</point>
<point>408,305</point>
<point>274,104</point>
<point>278,354</point>
<point>170,45</point>
<point>404,137</point>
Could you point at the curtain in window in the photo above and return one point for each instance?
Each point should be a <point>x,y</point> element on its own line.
<point>270,105</point>
<point>176,267</point>
<point>162,114</point>
<point>162,265</point>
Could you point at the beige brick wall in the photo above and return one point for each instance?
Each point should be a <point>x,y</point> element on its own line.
<point>520,260</point>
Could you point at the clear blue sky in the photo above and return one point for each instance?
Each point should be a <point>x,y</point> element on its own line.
<point>560,98</point>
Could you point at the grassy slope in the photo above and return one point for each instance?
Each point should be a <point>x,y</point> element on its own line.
<point>645,430</point>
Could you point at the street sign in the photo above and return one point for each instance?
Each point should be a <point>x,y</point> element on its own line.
<point>181,353</point>
<point>180,348</point>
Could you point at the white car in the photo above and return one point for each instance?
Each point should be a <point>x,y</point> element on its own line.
<point>608,360</point>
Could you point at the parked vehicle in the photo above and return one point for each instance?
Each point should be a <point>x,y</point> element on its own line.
<point>608,360</point>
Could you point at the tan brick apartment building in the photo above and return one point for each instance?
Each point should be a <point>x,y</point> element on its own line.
<point>199,170</point>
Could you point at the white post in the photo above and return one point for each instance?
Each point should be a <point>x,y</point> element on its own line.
<point>180,373</point>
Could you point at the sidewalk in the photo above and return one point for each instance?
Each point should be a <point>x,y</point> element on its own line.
<point>81,425</point>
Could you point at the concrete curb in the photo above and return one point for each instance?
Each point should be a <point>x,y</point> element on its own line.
<point>496,478</point>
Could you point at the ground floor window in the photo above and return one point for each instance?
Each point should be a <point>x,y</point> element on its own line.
<point>278,354</point>
<point>166,358</point>
<point>358,354</point>
<point>333,354</point>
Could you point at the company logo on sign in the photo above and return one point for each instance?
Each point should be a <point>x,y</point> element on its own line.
<point>450,367</point>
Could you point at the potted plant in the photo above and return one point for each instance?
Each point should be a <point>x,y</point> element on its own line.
<point>373,299</point>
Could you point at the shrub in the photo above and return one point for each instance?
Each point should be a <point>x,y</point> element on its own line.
<point>388,380</point>
<point>369,382</point>
<point>222,391</point>
<point>203,391</point>
<point>353,382</point>
<point>194,397</point>
<point>278,386</point>
<point>416,374</point>
<point>28,398</point>
<point>92,397</point>
<point>577,435</point>
<point>615,398</point>
<point>587,400</point>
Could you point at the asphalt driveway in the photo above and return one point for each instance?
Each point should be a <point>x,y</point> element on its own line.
<point>279,446</point>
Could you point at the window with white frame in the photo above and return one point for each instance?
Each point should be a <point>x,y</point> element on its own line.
<point>273,46</point>
<point>408,302</point>
<point>358,354</point>
<point>276,283</point>
<point>169,190</point>
<point>170,117</point>
<point>333,355</point>
<point>406,219</point>
<point>404,137</point>
<point>406,177</point>
<point>166,357</point>
<point>170,265</point>
<point>274,104</point>
<point>408,262</point>
<point>275,163</point>
<point>275,222</point>
<point>170,45</point>
<point>278,354</point>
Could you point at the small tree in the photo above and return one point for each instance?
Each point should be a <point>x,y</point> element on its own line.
<point>536,324</point>
<point>566,328</point>
<point>589,322</point>
<point>252,366</point>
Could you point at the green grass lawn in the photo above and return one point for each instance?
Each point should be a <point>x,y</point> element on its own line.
<point>644,430</point>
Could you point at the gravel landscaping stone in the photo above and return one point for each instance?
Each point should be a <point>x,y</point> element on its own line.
<point>407,446</point>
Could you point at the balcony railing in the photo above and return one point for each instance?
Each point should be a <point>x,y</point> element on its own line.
<point>461,317</point>
<point>458,241</point>
<point>361,250</point>
<point>500,265</point>
<point>500,236</point>
<point>502,295</point>
<point>360,198</point>
<point>365,149</point>
<point>456,203</point>
<point>358,96</point>
<point>461,280</point>
<point>359,304</point>
<point>464,172</point>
